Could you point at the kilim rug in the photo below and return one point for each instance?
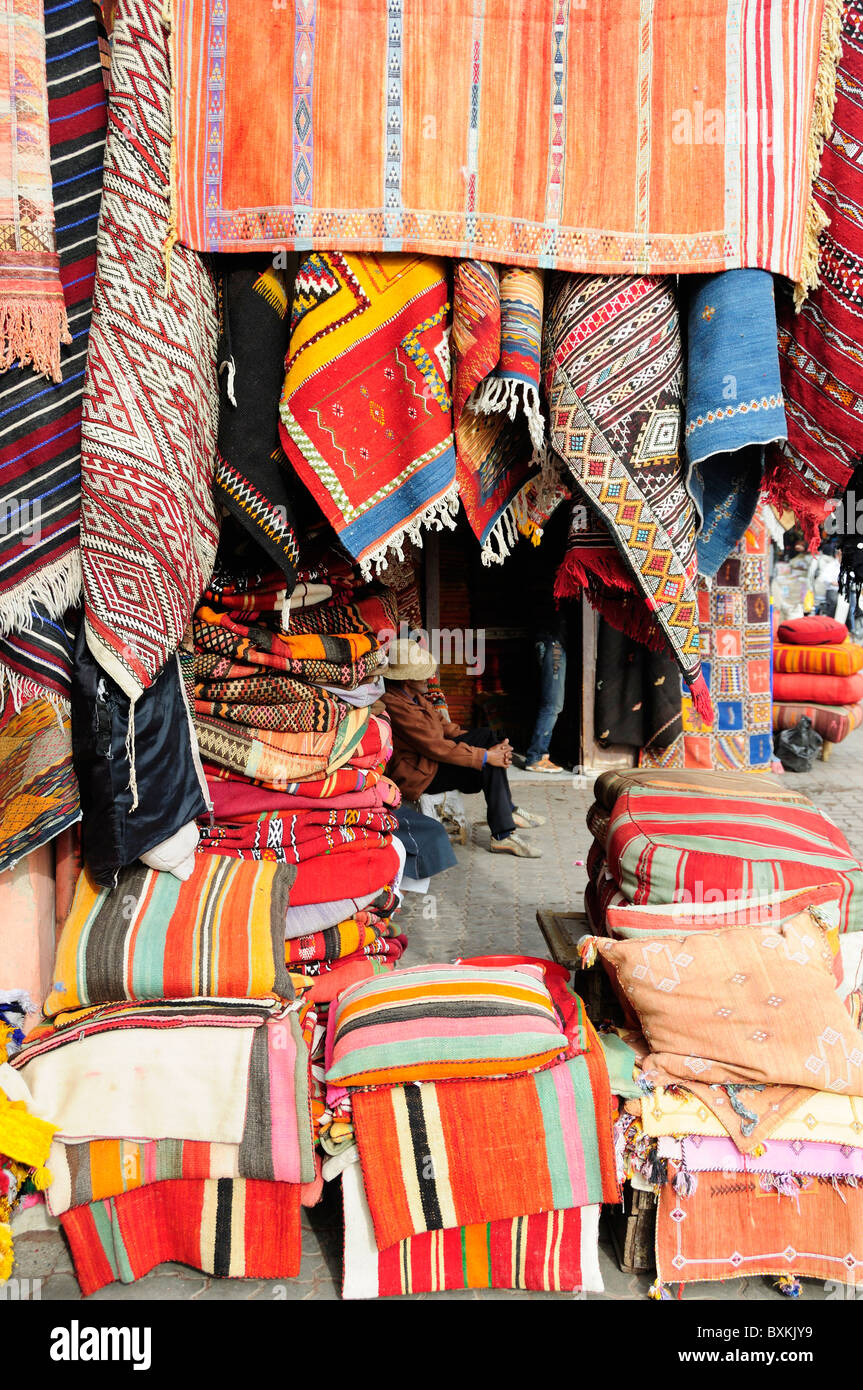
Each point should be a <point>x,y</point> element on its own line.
<point>33,320</point>
<point>734,404</point>
<point>555,1251</point>
<point>737,649</point>
<point>148,524</point>
<point>820,354</point>
<point>735,1224</point>
<point>478,132</point>
<point>40,421</point>
<point>547,1146</point>
<point>366,411</point>
<point>251,477</point>
<point>613,372</point>
<point>38,789</point>
<point>230,1229</point>
<point>499,428</point>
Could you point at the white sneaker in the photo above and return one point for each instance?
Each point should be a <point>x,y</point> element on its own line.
<point>513,845</point>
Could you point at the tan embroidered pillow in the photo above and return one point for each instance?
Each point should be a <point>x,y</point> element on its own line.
<point>746,1005</point>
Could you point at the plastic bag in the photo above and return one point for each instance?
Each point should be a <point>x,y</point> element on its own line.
<point>798,748</point>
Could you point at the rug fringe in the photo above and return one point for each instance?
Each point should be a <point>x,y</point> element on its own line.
<point>497,394</point>
<point>441,513</point>
<point>822,123</point>
<point>781,492</point>
<point>57,587</point>
<point>23,690</point>
<point>502,538</point>
<point>31,332</point>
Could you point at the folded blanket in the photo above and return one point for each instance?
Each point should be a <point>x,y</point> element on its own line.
<point>829,659</point>
<point>341,659</point>
<point>821,690</point>
<point>229,1229</point>
<point>361,869</point>
<point>276,1144</point>
<point>546,1146</point>
<point>234,798</point>
<point>281,758</point>
<point>178,1079</point>
<point>364,933</point>
<point>274,838</point>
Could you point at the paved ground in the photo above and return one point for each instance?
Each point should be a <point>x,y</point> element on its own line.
<point>486,904</point>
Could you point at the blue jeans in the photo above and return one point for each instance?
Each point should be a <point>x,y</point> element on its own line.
<point>551,656</point>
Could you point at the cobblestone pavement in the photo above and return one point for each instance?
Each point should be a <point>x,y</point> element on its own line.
<point>484,905</point>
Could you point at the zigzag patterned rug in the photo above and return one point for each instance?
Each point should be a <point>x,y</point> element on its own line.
<point>148,523</point>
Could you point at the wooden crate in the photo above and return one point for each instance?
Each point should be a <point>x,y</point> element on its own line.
<point>633,1230</point>
<point>562,932</point>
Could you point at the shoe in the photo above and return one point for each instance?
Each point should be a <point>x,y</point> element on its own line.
<point>513,845</point>
<point>544,765</point>
<point>526,820</point>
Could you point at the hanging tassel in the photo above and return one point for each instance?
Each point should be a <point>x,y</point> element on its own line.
<point>685,1183</point>
<point>130,754</point>
<point>587,951</point>
<point>701,699</point>
<point>659,1292</point>
<point>789,1285</point>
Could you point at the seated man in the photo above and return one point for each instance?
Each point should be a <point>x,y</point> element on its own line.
<point>432,756</point>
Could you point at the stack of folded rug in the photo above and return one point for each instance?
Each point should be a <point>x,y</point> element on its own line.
<point>174,1070</point>
<point>817,673</point>
<point>755,1146</point>
<point>704,839</point>
<point>294,757</point>
<point>478,1147</point>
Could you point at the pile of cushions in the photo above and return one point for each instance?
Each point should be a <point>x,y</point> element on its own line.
<point>175,1073</point>
<point>733,1139</point>
<point>685,840</point>
<point>817,672</point>
<point>478,1104</point>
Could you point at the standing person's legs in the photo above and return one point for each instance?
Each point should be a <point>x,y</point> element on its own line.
<point>551,656</point>
<point>491,781</point>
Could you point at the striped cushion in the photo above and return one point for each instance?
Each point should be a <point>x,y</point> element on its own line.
<point>832,722</point>
<point>665,845</point>
<point>221,934</point>
<point>822,690</point>
<point>442,1022</point>
<point>846,659</point>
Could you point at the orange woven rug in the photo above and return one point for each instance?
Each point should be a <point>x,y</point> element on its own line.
<point>620,137</point>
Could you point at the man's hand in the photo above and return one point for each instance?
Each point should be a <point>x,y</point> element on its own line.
<point>500,755</point>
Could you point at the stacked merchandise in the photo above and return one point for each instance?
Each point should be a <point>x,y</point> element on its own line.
<point>755,1151</point>
<point>817,674</point>
<point>705,890</point>
<point>173,1068</point>
<point>479,1099</point>
<point>294,756</point>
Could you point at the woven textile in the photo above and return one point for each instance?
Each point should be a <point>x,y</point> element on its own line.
<point>546,1146</point>
<point>40,433</point>
<point>770,996</point>
<point>733,404</point>
<point>439,1023</point>
<point>822,368</point>
<point>499,429</point>
<point>736,639</point>
<point>296,839</point>
<point>613,783</point>
<point>148,523</point>
<point>227,647</point>
<point>556,1251</point>
<point>670,845</point>
<point>612,368</point>
<point>631,922</point>
<point>637,699</point>
<point>361,868</point>
<point>251,473</point>
<point>366,413</point>
<point>822,690</point>
<point>230,1229</point>
<point>362,934</point>
<point>812,1117</point>
<point>833,722</point>
<point>736,1225</point>
<point>506,168</point>
<point>280,759</point>
<point>38,789</point>
<point>33,319</point>
<point>276,1144</point>
<point>705,1155</point>
<point>830,659</point>
<point>217,934</point>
